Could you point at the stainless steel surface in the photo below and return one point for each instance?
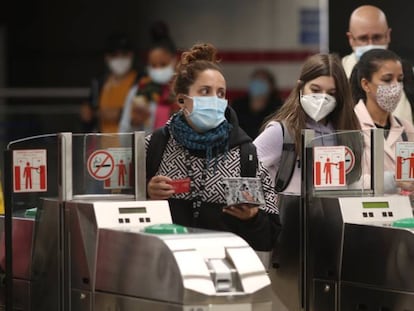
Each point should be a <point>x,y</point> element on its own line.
<point>368,264</point>
<point>47,276</point>
<point>356,297</point>
<point>41,253</point>
<point>22,240</point>
<point>286,268</point>
<point>323,262</point>
<point>383,257</point>
<point>110,302</point>
<point>140,166</point>
<point>22,295</point>
<point>162,270</point>
<point>66,179</point>
<point>377,161</point>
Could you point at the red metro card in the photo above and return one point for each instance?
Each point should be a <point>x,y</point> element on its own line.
<point>181,185</point>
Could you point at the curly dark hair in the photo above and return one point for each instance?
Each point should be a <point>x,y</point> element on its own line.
<point>200,57</point>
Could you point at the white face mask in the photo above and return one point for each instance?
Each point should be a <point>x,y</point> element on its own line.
<point>360,50</point>
<point>317,105</point>
<point>388,96</point>
<point>161,75</point>
<point>120,65</point>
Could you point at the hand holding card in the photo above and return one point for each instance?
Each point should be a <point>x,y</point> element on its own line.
<point>181,185</point>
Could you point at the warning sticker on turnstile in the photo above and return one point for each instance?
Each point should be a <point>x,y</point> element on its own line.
<point>100,165</point>
<point>404,168</point>
<point>29,170</point>
<point>349,160</point>
<point>122,175</point>
<point>329,167</point>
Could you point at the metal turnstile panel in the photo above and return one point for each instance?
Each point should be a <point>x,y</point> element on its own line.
<point>357,297</point>
<point>110,302</point>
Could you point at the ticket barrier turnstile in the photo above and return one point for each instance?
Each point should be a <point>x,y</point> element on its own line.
<point>356,259</point>
<point>37,259</point>
<point>116,266</point>
<point>22,270</point>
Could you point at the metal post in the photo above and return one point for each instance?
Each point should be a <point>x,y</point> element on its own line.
<point>377,161</point>
<point>8,208</point>
<point>324,26</point>
<point>65,167</point>
<point>140,166</point>
<point>306,192</point>
<point>65,194</point>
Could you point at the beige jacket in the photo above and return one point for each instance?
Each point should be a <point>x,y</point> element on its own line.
<point>394,136</point>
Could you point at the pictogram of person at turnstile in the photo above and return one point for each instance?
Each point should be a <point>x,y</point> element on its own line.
<point>327,169</point>
<point>122,171</point>
<point>27,175</point>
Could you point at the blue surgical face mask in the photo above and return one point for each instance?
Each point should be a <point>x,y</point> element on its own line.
<point>258,87</point>
<point>208,112</point>
<point>360,50</point>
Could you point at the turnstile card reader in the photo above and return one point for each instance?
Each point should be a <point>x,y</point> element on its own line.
<point>115,265</point>
<point>128,214</point>
<point>375,210</point>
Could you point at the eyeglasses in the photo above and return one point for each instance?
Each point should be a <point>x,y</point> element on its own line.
<point>374,39</point>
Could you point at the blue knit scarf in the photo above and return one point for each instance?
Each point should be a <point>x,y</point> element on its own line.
<point>214,139</point>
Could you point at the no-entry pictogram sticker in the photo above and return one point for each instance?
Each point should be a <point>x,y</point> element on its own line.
<point>100,164</point>
<point>29,170</point>
<point>349,160</point>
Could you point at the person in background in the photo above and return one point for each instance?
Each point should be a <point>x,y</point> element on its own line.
<point>408,81</point>
<point>103,110</point>
<point>368,29</point>
<point>321,101</point>
<point>262,100</point>
<point>377,85</point>
<point>150,103</point>
<point>204,147</point>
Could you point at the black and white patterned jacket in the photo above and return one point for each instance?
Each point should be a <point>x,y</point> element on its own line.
<point>260,232</point>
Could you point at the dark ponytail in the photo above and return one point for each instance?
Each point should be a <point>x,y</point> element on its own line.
<point>355,81</point>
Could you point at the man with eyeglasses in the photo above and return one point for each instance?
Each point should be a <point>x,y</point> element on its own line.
<point>368,29</point>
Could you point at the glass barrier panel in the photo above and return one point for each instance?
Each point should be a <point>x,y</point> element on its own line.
<point>103,164</point>
<point>397,168</point>
<point>337,162</point>
<point>399,162</point>
<point>34,168</point>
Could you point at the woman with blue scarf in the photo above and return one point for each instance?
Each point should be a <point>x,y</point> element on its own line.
<point>203,148</point>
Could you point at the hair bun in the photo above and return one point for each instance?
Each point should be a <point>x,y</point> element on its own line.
<point>203,51</point>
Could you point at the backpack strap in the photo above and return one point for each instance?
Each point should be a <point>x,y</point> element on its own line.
<point>287,161</point>
<point>404,133</point>
<point>248,160</point>
<point>155,150</point>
